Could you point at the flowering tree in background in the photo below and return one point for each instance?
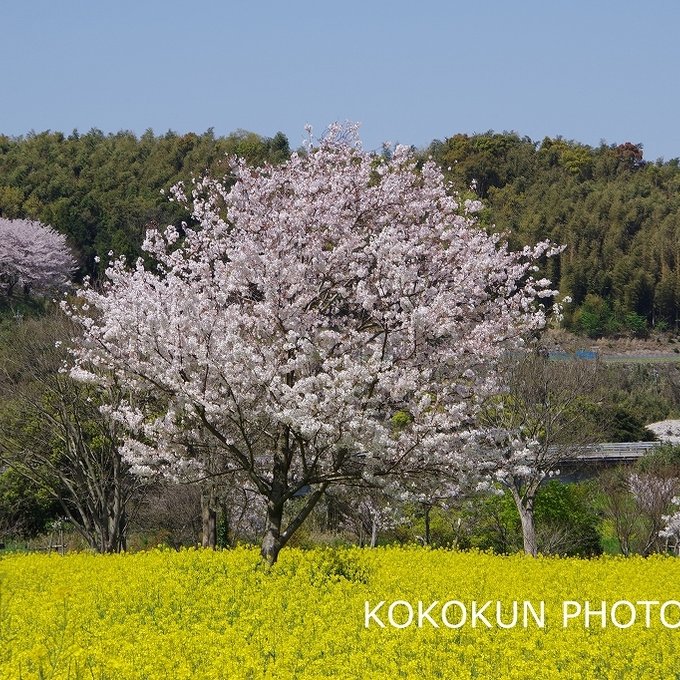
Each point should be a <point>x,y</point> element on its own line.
<point>536,423</point>
<point>33,257</point>
<point>671,527</point>
<point>310,304</point>
<point>371,515</point>
<point>654,494</point>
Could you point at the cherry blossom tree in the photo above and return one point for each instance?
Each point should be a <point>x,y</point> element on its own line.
<point>671,527</point>
<point>300,310</point>
<point>536,423</point>
<point>370,515</point>
<point>365,510</point>
<point>654,494</point>
<point>33,257</point>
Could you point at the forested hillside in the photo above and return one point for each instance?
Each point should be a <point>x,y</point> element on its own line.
<point>618,215</point>
<point>60,449</point>
<point>103,190</point>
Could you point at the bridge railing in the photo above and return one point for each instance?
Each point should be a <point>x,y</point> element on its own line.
<point>612,451</point>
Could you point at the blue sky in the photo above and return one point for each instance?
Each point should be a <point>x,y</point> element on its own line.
<point>409,71</point>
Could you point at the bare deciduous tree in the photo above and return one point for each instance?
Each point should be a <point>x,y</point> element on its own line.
<point>53,433</point>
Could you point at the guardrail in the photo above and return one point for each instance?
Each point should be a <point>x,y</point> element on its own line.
<point>612,452</point>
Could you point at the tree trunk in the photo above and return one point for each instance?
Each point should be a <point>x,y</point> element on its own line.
<point>374,532</point>
<point>525,507</point>
<point>115,541</point>
<point>223,525</point>
<point>208,516</point>
<point>272,541</point>
<point>526,516</point>
<point>427,525</point>
<point>117,519</point>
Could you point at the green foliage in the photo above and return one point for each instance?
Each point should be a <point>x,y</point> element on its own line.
<point>102,191</point>
<point>25,508</point>
<point>618,216</point>
<point>19,307</point>
<point>448,527</point>
<point>624,425</point>
<point>566,522</point>
<point>616,422</point>
<point>565,515</point>
<point>645,393</point>
<point>663,460</point>
<point>493,524</point>
<point>636,325</point>
<point>594,318</point>
<point>53,434</point>
<point>401,419</point>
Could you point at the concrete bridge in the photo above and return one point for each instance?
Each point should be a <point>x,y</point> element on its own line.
<point>589,460</point>
<point>613,454</point>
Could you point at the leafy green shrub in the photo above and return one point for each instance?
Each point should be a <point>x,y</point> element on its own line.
<point>566,522</point>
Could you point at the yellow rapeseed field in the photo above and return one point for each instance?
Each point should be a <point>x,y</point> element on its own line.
<point>355,613</point>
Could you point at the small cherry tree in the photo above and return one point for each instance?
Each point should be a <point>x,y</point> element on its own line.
<point>33,257</point>
<point>671,527</point>
<point>538,422</point>
<point>302,309</point>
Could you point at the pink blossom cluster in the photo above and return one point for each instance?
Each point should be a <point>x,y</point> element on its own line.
<point>33,257</point>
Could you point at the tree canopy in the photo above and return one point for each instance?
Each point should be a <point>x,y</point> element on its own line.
<point>101,191</point>
<point>33,258</point>
<point>311,304</point>
<point>618,214</point>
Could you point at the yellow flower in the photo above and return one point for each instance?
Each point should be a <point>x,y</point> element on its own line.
<point>202,614</point>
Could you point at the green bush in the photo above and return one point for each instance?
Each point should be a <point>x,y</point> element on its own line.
<point>566,522</point>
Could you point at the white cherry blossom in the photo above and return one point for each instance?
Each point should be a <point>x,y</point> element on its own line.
<point>298,310</point>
